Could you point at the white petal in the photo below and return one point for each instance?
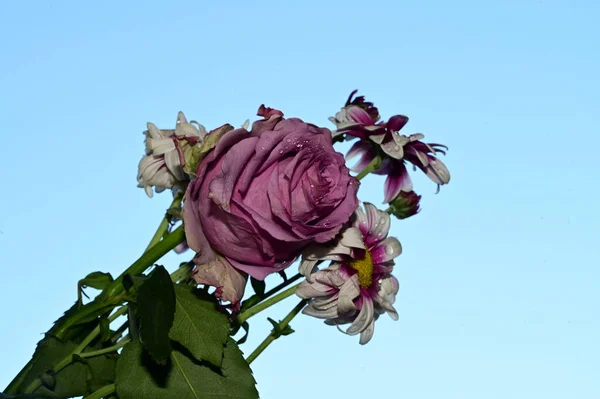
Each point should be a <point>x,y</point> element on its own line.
<point>181,118</point>
<point>153,130</point>
<point>246,124</point>
<point>349,291</point>
<point>330,251</point>
<point>149,191</point>
<point>378,221</point>
<point>361,221</point>
<point>159,146</point>
<point>367,334</point>
<point>321,314</point>
<point>377,138</point>
<point>387,250</point>
<point>352,238</point>
<point>393,150</point>
<point>173,163</point>
<point>327,302</point>
<point>308,290</point>
<point>187,130</point>
<point>363,319</point>
<point>333,278</point>
<point>306,268</point>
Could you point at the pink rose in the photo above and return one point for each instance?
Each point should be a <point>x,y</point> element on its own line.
<point>260,197</point>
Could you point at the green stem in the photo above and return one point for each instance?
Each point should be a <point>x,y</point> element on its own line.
<point>374,164</point>
<point>164,224</point>
<point>389,210</point>
<point>254,299</point>
<point>183,272</point>
<point>110,349</point>
<point>102,392</point>
<point>242,317</point>
<point>119,331</point>
<point>272,337</point>
<point>160,232</point>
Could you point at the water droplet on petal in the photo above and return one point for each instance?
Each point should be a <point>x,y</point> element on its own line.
<point>281,151</point>
<point>382,220</point>
<point>312,186</point>
<point>289,140</point>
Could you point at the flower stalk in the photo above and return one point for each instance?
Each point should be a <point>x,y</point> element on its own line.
<point>273,336</point>
<point>253,311</point>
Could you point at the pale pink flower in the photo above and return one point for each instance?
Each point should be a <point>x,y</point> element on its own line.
<point>162,166</point>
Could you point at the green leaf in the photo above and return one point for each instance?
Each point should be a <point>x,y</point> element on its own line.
<point>104,329</point>
<point>25,396</point>
<point>182,377</point>
<point>258,286</point>
<point>102,371</point>
<point>199,326</point>
<point>278,331</point>
<point>246,328</point>
<point>156,309</point>
<point>78,331</point>
<point>97,280</point>
<point>68,382</point>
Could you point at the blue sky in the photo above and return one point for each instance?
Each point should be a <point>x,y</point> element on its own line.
<point>499,273</point>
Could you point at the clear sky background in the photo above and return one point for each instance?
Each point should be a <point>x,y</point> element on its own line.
<point>499,276</point>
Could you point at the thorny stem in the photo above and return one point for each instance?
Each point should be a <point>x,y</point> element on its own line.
<point>273,336</point>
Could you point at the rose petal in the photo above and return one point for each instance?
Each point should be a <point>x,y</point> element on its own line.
<point>234,161</point>
<point>193,230</point>
<point>219,273</point>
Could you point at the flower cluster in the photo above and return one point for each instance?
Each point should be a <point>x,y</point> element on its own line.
<point>360,119</point>
<point>259,197</point>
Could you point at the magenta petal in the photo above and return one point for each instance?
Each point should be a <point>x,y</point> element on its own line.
<point>366,152</point>
<point>399,181</point>
<point>193,229</point>
<point>234,161</point>
<point>361,116</point>
<point>397,122</point>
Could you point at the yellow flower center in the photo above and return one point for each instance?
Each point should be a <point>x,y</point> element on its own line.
<point>364,267</point>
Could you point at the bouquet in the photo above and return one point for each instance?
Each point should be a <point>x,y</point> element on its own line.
<point>248,202</point>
